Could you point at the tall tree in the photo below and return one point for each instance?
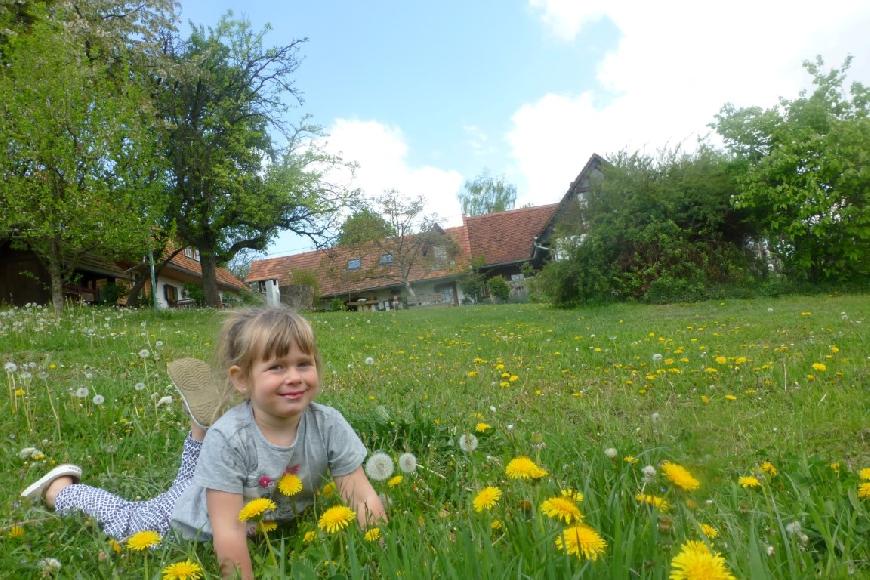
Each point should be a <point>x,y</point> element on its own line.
<point>231,188</point>
<point>806,176</point>
<point>79,161</point>
<point>487,194</point>
<point>364,225</point>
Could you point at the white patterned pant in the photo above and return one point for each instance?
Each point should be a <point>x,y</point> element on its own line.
<point>121,518</point>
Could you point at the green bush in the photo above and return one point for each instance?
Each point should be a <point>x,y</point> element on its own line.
<point>499,288</point>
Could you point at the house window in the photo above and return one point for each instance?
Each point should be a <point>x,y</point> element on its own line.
<point>171,294</point>
<point>517,277</point>
<point>192,253</point>
<point>440,254</point>
<point>354,264</point>
<point>386,260</point>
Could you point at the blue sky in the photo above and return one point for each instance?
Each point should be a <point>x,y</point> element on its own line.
<point>424,95</point>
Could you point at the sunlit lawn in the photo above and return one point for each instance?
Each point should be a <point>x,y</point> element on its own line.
<point>590,396</point>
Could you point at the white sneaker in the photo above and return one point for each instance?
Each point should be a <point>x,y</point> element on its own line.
<point>36,490</point>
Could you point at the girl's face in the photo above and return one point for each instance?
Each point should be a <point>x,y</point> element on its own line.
<point>280,388</point>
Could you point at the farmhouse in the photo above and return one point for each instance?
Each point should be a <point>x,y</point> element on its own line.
<point>23,278</point>
<point>368,277</point>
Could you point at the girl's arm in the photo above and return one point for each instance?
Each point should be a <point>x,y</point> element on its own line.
<point>357,491</point>
<point>230,538</point>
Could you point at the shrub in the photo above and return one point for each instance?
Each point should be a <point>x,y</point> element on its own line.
<point>499,288</point>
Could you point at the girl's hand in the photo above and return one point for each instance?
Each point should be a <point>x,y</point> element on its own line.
<point>357,491</point>
<point>230,539</point>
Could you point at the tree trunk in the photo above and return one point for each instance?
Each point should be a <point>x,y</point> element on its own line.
<point>410,289</point>
<point>208,264</point>
<point>55,271</point>
<point>134,296</point>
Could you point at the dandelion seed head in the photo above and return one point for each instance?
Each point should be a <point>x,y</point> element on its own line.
<point>139,386</point>
<point>144,353</point>
<point>468,442</point>
<point>82,392</point>
<point>379,466</point>
<point>370,360</point>
<point>610,452</point>
<point>407,463</point>
<point>98,399</point>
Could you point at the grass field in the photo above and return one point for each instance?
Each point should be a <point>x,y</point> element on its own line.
<point>599,399</point>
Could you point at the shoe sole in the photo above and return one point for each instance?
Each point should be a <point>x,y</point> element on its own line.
<point>194,381</point>
<point>38,487</point>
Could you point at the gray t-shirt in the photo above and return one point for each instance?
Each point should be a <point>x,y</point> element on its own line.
<point>236,458</point>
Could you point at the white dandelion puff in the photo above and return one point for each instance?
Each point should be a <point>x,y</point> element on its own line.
<point>10,367</point>
<point>370,360</point>
<point>49,566</point>
<point>139,386</point>
<point>144,353</point>
<point>98,399</point>
<point>28,452</point>
<point>159,344</point>
<point>467,442</point>
<point>82,392</point>
<point>649,472</point>
<point>655,416</point>
<point>379,466</point>
<point>407,462</point>
<point>167,400</point>
<point>610,452</point>
<point>657,357</point>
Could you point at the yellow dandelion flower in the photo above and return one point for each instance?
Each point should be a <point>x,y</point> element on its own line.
<point>821,367</point>
<point>562,508</point>
<point>309,536</point>
<point>834,349</point>
<point>570,493</point>
<point>471,374</point>
<point>581,541</point>
<point>721,360</point>
<point>115,545</point>
<point>336,519</point>
<point>630,459</point>
<point>730,397</point>
<point>514,378</point>
<point>864,490</point>
<point>497,525</point>
<point>394,481</point>
<point>15,532</point>
<point>710,370</point>
<point>19,392</point>
<point>709,531</point>
<point>289,484</point>
<point>185,570</point>
<point>255,508</point>
<point>680,476</point>
<point>524,468</point>
<point>143,540</point>
<point>747,481</point>
<point>486,498</point>
<point>740,360</point>
<point>835,467</point>
<point>267,526</point>
<point>482,427</point>
<point>769,468</point>
<point>696,562</point>
<point>328,490</point>
<point>373,535</point>
<point>705,399</point>
<point>864,474</point>
<point>657,502</point>
<point>504,384</point>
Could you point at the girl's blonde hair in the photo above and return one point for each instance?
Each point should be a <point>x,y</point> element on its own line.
<point>258,334</point>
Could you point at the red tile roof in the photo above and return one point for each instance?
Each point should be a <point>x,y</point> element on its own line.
<point>225,278</point>
<point>508,236</point>
<point>498,238</point>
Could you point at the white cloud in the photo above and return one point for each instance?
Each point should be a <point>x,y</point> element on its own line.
<point>674,67</point>
<point>381,154</point>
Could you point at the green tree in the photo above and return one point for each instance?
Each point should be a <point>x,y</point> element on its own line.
<point>231,188</point>
<point>806,176</point>
<point>364,225</point>
<point>487,194</point>
<point>652,229</point>
<point>78,169</point>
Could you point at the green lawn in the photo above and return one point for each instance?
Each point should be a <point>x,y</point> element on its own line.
<point>717,387</point>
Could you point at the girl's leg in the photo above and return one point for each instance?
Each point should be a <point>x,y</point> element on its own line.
<point>121,518</point>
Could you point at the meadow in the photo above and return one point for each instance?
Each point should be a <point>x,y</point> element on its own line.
<point>626,441</point>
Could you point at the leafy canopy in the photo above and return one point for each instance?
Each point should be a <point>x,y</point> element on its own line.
<point>487,194</point>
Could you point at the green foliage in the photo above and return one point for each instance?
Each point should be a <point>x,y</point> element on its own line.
<point>806,176</point>
<point>487,194</point>
<point>306,278</point>
<point>366,225</point>
<point>652,229</point>
<point>499,288</point>
<point>79,157</point>
<point>194,292</point>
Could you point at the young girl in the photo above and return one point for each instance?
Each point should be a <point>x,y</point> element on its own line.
<point>277,439</point>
